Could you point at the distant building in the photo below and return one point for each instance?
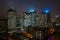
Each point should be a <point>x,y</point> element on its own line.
<point>19,22</point>
<point>11,19</point>
<point>26,19</point>
<point>56,21</point>
<point>29,19</point>
<point>45,19</point>
<point>37,19</point>
<point>3,24</point>
<point>33,18</point>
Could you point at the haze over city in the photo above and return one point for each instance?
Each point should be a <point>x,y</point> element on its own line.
<point>21,5</point>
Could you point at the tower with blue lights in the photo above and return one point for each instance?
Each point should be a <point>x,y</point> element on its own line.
<point>33,17</point>
<point>45,18</point>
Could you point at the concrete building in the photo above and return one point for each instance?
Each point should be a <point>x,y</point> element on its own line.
<point>45,19</point>
<point>19,23</point>
<point>3,24</point>
<point>42,20</point>
<point>11,19</point>
<point>33,18</point>
<point>56,21</point>
<point>26,19</point>
<point>29,19</point>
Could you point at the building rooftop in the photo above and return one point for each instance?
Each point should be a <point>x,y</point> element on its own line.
<point>11,10</point>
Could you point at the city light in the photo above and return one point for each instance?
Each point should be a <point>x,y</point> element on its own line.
<point>22,30</point>
<point>31,10</point>
<point>46,11</point>
<point>52,30</point>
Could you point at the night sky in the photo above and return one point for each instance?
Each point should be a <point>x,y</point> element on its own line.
<point>22,5</point>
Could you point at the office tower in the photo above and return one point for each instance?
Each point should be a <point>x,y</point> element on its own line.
<point>38,19</point>
<point>26,19</point>
<point>57,21</point>
<point>20,22</point>
<point>33,17</point>
<point>11,19</point>
<point>44,19</point>
<point>3,24</point>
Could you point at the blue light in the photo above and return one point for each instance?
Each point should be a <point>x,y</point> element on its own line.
<point>46,11</point>
<point>31,10</point>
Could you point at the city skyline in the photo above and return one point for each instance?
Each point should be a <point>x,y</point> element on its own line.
<point>21,5</point>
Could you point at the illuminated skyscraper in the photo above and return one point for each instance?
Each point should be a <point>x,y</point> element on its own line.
<point>33,17</point>
<point>11,19</point>
<point>42,20</point>
<point>38,19</point>
<point>26,19</point>
<point>29,19</point>
<point>45,19</point>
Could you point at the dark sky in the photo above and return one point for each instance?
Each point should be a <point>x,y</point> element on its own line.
<point>21,5</point>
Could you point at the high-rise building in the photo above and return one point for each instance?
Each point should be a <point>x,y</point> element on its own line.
<point>41,21</point>
<point>56,21</point>
<point>45,19</point>
<point>3,24</point>
<point>19,22</point>
<point>33,18</point>
<point>26,19</point>
<point>11,19</point>
<point>38,19</point>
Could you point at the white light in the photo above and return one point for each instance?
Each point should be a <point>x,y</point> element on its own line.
<point>57,24</point>
<point>22,29</point>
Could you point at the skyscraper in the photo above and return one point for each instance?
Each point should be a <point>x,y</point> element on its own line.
<point>26,19</point>
<point>3,24</point>
<point>33,17</point>
<point>11,19</point>
<point>38,19</point>
<point>45,19</point>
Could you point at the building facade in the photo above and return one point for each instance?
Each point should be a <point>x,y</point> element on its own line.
<point>26,19</point>
<point>3,24</point>
<point>45,19</point>
<point>11,19</point>
<point>33,18</point>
